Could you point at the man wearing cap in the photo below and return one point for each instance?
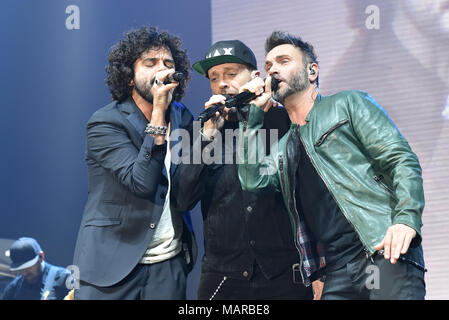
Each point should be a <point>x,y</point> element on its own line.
<point>248,242</point>
<point>38,280</point>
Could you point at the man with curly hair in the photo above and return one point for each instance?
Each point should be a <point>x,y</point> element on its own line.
<point>132,244</point>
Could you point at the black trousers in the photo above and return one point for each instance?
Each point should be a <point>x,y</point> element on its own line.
<point>164,280</point>
<point>377,279</point>
<point>214,286</point>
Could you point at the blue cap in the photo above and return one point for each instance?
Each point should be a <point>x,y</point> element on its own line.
<point>24,253</point>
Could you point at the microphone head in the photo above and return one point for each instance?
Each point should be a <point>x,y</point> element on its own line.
<point>178,76</point>
<point>175,77</point>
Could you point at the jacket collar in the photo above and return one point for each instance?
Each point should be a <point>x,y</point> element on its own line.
<point>135,116</point>
<point>317,100</point>
<point>137,119</point>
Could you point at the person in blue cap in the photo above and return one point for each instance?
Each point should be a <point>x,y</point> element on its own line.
<point>38,280</point>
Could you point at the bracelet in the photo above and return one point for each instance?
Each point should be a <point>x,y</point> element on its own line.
<point>156,130</point>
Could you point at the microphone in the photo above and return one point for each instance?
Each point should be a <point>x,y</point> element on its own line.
<point>175,77</point>
<point>210,112</point>
<point>237,101</point>
<point>240,99</point>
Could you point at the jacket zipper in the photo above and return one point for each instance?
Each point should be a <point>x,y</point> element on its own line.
<point>367,252</point>
<point>294,213</point>
<point>379,179</point>
<point>328,132</point>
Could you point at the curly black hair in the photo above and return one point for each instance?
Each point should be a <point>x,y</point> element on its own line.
<point>123,55</point>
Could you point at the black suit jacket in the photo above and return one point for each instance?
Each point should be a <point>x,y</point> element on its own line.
<point>127,189</point>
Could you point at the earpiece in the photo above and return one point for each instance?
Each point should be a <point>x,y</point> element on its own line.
<point>312,72</point>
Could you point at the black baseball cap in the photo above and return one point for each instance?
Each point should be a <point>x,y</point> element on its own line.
<point>227,51</point>
<point>24,253</point>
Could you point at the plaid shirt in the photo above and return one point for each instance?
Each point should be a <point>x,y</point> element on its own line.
<point>312,252</point>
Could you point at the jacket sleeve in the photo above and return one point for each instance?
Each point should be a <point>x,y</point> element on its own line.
<point>139,170</point>
<point>9,291</point>
<point>61,289</point>
<point>392,154</point>
<point>189,181</point>
<point>256,171</point>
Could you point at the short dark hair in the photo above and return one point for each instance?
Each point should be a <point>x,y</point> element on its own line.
<point>278,38</point>
<point>123,55</point>
<point>250,67</point>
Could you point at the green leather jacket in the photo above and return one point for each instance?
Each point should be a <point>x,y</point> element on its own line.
<point>367,165</point>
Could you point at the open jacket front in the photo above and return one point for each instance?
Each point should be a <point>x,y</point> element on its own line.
<point>365,162</point>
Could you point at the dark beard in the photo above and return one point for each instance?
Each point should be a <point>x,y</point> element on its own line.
<point>144,90</point>
<point>297,83</point>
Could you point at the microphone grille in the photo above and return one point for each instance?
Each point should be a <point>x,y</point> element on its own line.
<point>178,76</point>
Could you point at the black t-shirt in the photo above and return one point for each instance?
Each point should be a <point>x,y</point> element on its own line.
<point>323,216</point>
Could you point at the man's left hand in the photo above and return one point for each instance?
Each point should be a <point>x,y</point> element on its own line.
<point>396,241</point>
<point>317,287</point>
<point>262,91</point>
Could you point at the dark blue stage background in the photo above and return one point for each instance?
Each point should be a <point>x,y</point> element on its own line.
<point>52,80</point>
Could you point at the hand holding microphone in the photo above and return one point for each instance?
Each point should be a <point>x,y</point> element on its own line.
<point>252,92</point>
<point>175,77</point>
<point>261,91</point>
<point>214,115</point>
<point>163,85</point>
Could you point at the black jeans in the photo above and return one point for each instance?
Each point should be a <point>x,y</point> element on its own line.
<point>164,280</point>
<point>377,279</point>
<point>216,286</point>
